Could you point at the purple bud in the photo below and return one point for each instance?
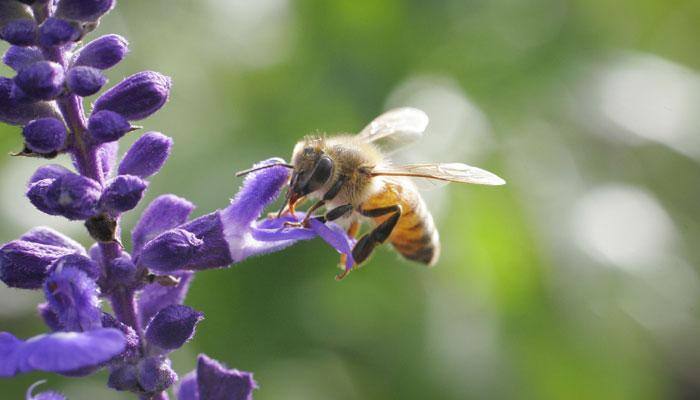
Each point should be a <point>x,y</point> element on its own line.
<point>137,96</point>
<point>165,212</point>
<point>79,261</point>
<point>20,32</point>
<point>25,264</point>
<point>48,171</point>
<point>46,235</point>
<point>123,193</point>
<point>14,111</point>
<point>85,81</point>
<point>107,126</point>
<point>147,155</point>
<point>45,135</point>
<point>18,57</point>
<point>42,80</point>
<point>155,374</point>
<point>103,52</point>
<point>57,32</point>
<point>172,327</point>
<point>216,382</point>
<point>84,10</point>
<point>49,317</point>
<point>72,196</point>
<point>73,296</point>
<point>107,156</point>
<point>171,250</point>
<point>122,271</point>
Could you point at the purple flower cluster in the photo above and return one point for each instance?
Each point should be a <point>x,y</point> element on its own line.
<point>147,286</point>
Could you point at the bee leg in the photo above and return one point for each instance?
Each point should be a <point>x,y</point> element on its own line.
<point>330,195</point>
<point>378,235</point>
<point>352,231</point>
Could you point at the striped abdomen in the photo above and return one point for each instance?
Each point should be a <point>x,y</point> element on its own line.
<point>415,236</point>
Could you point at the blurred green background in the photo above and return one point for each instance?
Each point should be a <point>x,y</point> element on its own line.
<point>577,280</point>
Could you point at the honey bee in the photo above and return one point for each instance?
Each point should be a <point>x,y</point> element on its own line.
<point>353,177</point>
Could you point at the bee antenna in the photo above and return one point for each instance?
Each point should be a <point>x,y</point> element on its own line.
<point>249,170</point>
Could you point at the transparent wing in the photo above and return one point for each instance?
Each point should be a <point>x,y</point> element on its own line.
<point>447,172</point>
<point>395,128</point>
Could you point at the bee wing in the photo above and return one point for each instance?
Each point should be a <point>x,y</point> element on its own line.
<point>395,128</point>
<point>441,173</point>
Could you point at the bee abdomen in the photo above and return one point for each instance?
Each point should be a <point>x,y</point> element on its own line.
<point>415,236</point>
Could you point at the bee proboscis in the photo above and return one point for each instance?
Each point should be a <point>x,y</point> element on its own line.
<point>354,179</point>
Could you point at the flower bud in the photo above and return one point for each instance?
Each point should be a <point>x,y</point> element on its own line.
<point>103,52</point>
<point>164,212</point>
<point>45,135</point>
<point>124,378</point>
<point>147,155</point>
<point>18,57</point>
<point>171,250</point>
<point>85,81</point>
<point>155,374</point>
<point>79,261</point>
<point>17,24</point>
<point>107,126</point>
<point>83,10</point>
<point>56,32</point>
<point>25,264</point>
<point>172,327</point>
<point>73,296</point>
<point>70,195</point>
<point>215,381</point>
<point>42,80</point>
<point>48,171</point>
<point>122,271</point>
<point>123,193</point>
<point>46,235</point>
<point>107,154</point>
<point>16,112</point>
<point>137,96</point>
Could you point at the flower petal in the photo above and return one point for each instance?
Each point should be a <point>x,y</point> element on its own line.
<point>216,382</point>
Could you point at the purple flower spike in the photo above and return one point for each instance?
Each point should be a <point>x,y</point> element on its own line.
<point>155,296</point>
<point>48,236</point>
<point>103,52</point>
<point>72,295</point>
<point>216,382</point>
<point>18,57</point>
<point>137,96</point>
<point>42,80</point>
<point>20,32</point>
<point>147,155</point>
<point>85,81</point>
<point>16,112</point>
<point>107,126</point>
<point>45,135</point>
<point>50,395</point>
<point>84,10</point>
<point>25,264</point>
<point>172,327</point>
<point>60,352</point>
<point>165,212</point>
<point>57,32</point>
<point>122,194</point>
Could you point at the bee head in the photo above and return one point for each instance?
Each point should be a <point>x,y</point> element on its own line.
<point>312,168</point>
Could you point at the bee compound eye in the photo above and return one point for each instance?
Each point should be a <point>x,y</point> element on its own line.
<point>320,174</point>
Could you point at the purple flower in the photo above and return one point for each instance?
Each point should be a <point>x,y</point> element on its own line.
<point>83,10</point>
<point>172,327</point>
<point>107,126</point>
<point>14,111</point>
<point>137,96</point>
<point>233,234</point>
<point>45,135</point>
<point>42,80</point>
<point>213,381</point>
<point>18,57</point>
<point>56,32</point>
<point>73,296</point>
<point>147,155</point>
<point>85,81</point>
<point>103,52</point>
<point>25,264</point>
<point>60,352</point>
<point>50,395</point>
<point>70,195</point>
<point>122,194</point>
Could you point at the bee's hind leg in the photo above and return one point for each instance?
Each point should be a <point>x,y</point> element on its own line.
<point>378,235</point>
